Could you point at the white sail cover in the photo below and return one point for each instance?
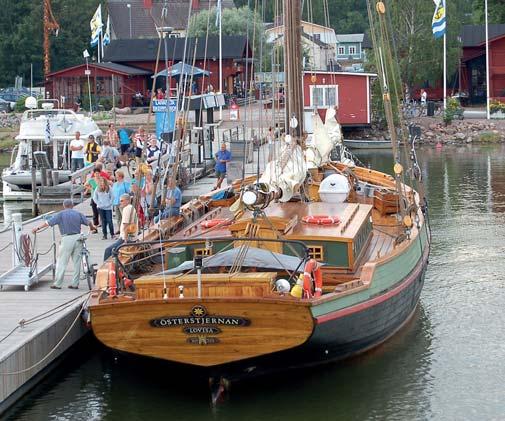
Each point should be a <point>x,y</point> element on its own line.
<point>325,137</point>
<point>288,172</point>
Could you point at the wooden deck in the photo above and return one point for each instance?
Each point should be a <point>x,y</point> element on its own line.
<point>28,345</point>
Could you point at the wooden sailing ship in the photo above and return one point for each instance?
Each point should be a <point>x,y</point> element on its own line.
<point>289,272</point>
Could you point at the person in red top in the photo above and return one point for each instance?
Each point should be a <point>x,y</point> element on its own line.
<point>103,174</point>
<point>160,94</point>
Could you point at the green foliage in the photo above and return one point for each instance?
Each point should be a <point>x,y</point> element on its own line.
<point>496,11</point>
<point>453,109</point>
<point>106,103</point>
<point>240,21</point>
<point>20,105</point>
<point>22,34</point>
<point>489,137</point>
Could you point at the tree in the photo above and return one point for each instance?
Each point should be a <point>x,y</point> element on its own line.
<point>496,11</point>
<point>21,43</point>
<point>240,21</point>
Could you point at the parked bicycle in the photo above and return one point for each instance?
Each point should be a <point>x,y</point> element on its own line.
<point>88,269</point>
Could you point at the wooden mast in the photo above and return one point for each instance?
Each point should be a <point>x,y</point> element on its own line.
<point>293,65</point>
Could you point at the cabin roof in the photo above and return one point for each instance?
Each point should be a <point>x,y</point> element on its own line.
<point>131,50</point>
<point>475,35</point>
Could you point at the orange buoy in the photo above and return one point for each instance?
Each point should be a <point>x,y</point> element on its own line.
<point>213,222</point>
<point>312,277</point>
<point>321,220</point>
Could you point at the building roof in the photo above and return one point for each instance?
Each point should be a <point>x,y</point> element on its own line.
<point>112,67</point>
<point>145,20</point>
<point>350,37</point>
<point>130,50</point>
<point>475,35</point>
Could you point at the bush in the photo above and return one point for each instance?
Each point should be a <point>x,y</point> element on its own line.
<point>453,109</point>
<point>20,105</point>
<point>496,106</point>
<point>489,137</point>
<point>106,103</point>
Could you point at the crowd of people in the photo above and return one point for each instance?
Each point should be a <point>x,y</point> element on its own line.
<point>120,207</point>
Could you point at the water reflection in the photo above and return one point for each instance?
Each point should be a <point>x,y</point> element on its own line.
<point>109,387</point>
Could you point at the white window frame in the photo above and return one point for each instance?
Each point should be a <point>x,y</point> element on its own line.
<point>352,50</point>
<point>341,50</point>
<point>325,89</point>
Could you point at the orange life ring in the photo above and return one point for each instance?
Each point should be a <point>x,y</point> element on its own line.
<point>321,220</point>
<point>312,276</point>
<point>213,222</point>
<point>112,290</point>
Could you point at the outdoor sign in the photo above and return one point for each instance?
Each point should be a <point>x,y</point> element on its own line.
<point>164,110</point>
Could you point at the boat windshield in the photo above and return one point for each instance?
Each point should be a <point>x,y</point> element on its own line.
<point>41,114</point>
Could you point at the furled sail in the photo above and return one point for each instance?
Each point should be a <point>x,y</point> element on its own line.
<point>288,172</point>
<point>324,139</point>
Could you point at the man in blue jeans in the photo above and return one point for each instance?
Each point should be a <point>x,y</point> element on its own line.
<point>223,156</point>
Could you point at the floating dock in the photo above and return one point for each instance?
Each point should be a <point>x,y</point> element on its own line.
<point>52,321</point>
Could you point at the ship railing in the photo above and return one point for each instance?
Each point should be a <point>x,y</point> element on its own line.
<point>156,248</point>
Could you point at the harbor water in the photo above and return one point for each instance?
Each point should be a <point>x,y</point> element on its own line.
<point>446,364</point>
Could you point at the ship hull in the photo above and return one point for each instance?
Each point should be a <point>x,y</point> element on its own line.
<point>333,336</point>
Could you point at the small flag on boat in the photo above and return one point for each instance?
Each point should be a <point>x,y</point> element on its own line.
<point>438,22</point>
<point>47,133</point>
<point>106,36</point>
<point>218,13</point>
<point>96,25</point>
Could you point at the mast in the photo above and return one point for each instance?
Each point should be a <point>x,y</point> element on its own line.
<point>293,94</point>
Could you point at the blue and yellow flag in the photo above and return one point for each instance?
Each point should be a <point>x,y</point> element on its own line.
<point>96,25</point>
<point>106,36</point>
<point>438,22</point>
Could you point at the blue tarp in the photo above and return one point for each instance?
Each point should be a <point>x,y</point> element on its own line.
<point>182,69</point>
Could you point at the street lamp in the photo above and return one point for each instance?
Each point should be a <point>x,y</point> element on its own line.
<point>129,6</point>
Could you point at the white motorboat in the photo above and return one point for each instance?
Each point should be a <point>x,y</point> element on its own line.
<point>44,130</point>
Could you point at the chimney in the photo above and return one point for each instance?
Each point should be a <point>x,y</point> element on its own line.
<point>195,5</point>
<point>148,4</point>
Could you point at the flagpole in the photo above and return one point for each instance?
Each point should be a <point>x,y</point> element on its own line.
<point>99,43</point>
<point>445,71</point>
<point>220,58</point>
<point>488,87</point>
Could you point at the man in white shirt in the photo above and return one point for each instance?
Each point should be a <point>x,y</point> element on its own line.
<point>77,148</point>
<point>129,225</point>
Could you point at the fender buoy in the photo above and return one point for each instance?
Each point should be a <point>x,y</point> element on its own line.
<point>311,271</point>
<point>112,280</point>
<point>212,223</point>
<point>321,220</point>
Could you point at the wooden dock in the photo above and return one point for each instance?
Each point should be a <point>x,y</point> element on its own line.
<point>37,343</point>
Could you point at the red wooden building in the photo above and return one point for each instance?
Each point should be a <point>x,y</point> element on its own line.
<point>349,90</point>
<point>473,62</point>
<point>132,62</point>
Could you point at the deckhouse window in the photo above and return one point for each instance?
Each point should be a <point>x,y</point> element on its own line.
<point>352,50</point>
<point>316,252</point>
<point>323,96</point>
<point>341,51</point>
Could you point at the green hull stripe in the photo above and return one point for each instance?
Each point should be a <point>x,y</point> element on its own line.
<point>385,276</point>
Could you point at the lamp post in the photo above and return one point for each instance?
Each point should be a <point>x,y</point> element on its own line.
<point>129,6</point>
<point>87,72</point>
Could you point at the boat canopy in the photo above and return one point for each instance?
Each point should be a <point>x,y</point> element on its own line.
<point>254,257</point>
